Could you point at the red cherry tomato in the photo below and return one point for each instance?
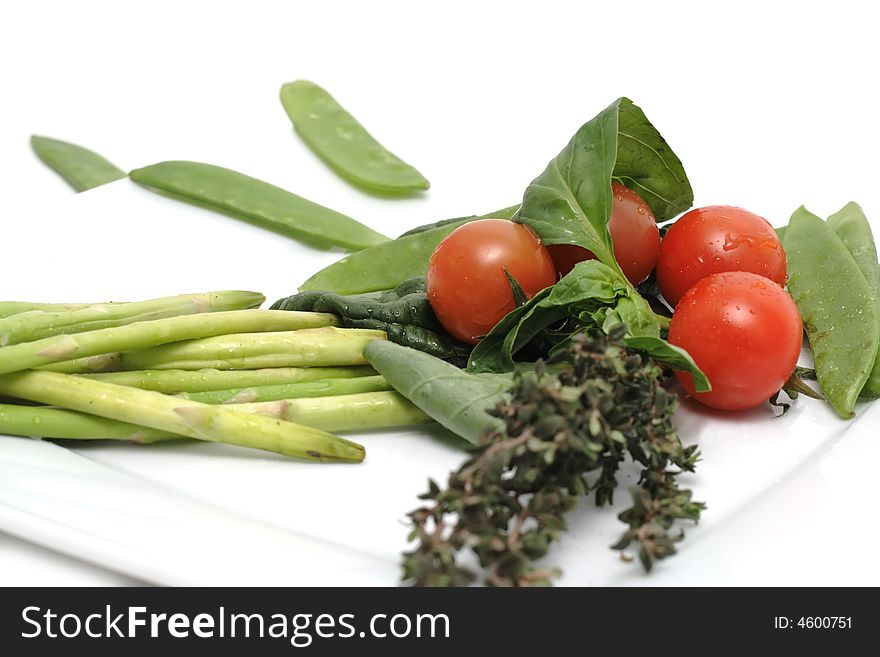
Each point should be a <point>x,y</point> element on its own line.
<point>634,234</point>
<point>744,332</point>
<point>467,287</point>
<point>714,239</point>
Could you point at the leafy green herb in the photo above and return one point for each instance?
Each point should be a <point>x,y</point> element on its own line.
<point>570,202</point>
<point>519,297</point>
<point>591,295</point>
<point>508,501</point>
<point>451,396</point>
<point>403,313</point>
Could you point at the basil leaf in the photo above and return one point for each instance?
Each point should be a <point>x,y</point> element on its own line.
<point>452,397</point>
<point>592,291</point>
<point>646,164</point>
<point>570,202</point>
<point>597,296</point>
<point>674,357</point>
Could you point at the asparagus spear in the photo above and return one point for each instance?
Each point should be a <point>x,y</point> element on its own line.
<point>359,412</point>
<point>365,411</point>
<point>179,416</point>
<point>173,381</point>
<point>328,388</point>
<point>9,308</point>
<point>36,325</point>
<point>27,355</point>
<point>315,347</point>
<point>43,422</point>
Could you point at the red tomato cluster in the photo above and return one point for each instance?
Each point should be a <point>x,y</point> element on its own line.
<point>722,268</point>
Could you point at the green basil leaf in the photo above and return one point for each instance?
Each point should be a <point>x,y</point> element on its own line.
<point>590,290</point>
<point>451,396</point>
<point>674,357</point>
<point>570,202</point>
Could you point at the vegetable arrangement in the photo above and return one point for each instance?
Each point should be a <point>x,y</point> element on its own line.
<point>178,379</point>
<point>544,334</point>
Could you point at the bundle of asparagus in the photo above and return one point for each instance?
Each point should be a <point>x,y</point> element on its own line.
<point>204,366</point>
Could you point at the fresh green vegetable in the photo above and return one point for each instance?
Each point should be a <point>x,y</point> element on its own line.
<point>591,295</point>
<point>343,144</point>
<point>570,203</point>
<point>179,416</point>
<point>37,325</point>
<point>357,412</point>
<point>257,202</point>
<point>352,412</point>
<point>387,265</point>
<point>60,423</point>
<point>10,308</point>
<point>403,313</point>
<point>443,223</point>
<point>80,167</point>
<point>780,232</point>
<point>452,397</point>
<point>837,306</point>
<point>174,381</point>
<point>509,500</point>
<point>854,231</point>
<point>325,388</point>
<point>327,346</point>
<point>59,348</point>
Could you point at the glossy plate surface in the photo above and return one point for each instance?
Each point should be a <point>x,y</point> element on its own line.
<point>789,498</point>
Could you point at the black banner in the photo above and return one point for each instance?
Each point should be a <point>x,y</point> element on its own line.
<point>427,622</point>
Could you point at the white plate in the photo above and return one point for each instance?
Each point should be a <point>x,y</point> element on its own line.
<point>787,496</point>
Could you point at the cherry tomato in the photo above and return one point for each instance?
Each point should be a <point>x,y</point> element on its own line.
<point>467,287</point>
<point>634,234</point>
<point>744,332</point>
<point>714,239</point>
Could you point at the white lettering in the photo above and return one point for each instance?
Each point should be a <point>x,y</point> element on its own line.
<point>24,617</point>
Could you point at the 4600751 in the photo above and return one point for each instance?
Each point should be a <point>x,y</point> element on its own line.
<point>813,623</point>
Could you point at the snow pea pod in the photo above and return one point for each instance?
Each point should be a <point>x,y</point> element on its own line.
<point>344,144</point>
<point>257,202</point>
<point>854,231</point>
<point>80,167</point>
<point>387,265</point>
<point>837,306</point>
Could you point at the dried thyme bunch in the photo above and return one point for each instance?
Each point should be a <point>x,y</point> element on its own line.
<point>507,502</point>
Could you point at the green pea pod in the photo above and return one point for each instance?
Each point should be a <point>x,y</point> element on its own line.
<point>837,306</point>
<point>80,167</point>
<point>344,144</point>
<point>854,231</point>
<point>257,202</point>
<point>387,265</point>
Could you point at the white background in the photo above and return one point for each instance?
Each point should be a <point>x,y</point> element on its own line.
<point>769,105</point>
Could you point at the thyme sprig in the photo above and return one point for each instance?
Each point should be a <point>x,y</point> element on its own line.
<point>507,502</point>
